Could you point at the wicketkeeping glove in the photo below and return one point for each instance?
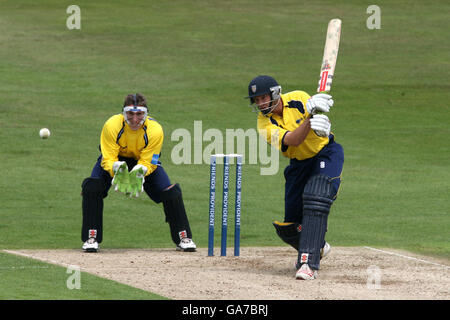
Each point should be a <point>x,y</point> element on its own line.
<point>121,178</point>
<point>321,102</point>
<point>137,176</point>
<point>321,125</point>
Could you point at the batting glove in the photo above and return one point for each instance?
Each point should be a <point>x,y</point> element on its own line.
<point>137,176</point>
<point>321,102</point>
<point>321,125</point>
<point>121,178</point>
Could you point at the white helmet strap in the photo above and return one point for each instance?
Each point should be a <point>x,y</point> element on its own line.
<point>275,92</point>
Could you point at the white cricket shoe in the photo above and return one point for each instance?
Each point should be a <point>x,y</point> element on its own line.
<point>306,273</point>
<point>186,245</point>
<point>91,245</point>
<point>325,250</point>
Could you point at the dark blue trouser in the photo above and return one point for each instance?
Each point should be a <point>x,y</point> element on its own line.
<point>95,188</point>
<point>329,161</point>
<point>155,183</point>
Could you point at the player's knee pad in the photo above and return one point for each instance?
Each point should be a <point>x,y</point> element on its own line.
<point>317,195</point>
<point>317,200</point>
<point>92,186</point>
<point>175,212</point>
<point>289,232</point>
<point>173,204</point>
<point>172,193</point>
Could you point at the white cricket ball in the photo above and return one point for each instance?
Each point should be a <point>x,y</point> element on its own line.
<point>44,133</point>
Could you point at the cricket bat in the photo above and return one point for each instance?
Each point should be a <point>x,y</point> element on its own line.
<point>330,53</point>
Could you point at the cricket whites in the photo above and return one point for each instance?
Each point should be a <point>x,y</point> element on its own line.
<point>330,53</point>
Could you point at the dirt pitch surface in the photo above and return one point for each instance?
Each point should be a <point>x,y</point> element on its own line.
<point>263,273</point>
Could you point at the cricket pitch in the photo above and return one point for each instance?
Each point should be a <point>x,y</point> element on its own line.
<point>264,273</point>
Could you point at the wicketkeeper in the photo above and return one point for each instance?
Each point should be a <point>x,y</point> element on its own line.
<point>130,146</point>
<point>292,123</point>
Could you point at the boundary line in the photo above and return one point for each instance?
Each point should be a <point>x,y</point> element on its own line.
<point>23,267</point>
<point>407,257</point>
<point>31,257</point>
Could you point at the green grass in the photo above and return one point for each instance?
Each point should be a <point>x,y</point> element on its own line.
<point>23,278</point>
<point>193,60</point>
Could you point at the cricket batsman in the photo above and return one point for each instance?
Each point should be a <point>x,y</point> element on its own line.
<point>130,146</point>
<point>292,123</point>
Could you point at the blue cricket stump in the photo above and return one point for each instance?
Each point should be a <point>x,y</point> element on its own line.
<point>237,207</point>
<point>212,205</point>
<point>212,197</point>
<point>226,180</point>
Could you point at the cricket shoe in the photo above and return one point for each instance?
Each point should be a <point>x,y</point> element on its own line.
<point>91,245</point>
<point>325,250</point>
<point>306,273</point>
<point>323,253</point>
<point>186,245</point>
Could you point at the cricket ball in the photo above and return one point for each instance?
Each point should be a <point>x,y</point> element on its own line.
<point>44,133</point>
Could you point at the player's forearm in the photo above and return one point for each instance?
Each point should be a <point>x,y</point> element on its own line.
<point>149,157</point>
<point>296,137</point>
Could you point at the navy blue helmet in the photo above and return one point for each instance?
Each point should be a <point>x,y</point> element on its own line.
<point>264,85</point>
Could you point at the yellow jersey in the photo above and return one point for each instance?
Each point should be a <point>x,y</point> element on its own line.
<point>118,139</point>
<point>274,127</point>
